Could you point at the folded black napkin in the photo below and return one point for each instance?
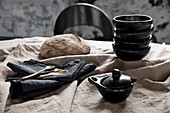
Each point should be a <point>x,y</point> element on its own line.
<point>35,86</point>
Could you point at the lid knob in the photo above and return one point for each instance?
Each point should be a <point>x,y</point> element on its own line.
<point>116,74</point>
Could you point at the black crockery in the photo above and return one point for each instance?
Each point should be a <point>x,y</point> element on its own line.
<point>138,45</point>
<point>131,55</point>
<point>132,36</point>
<point>132,22</point>
<point>115,88</point>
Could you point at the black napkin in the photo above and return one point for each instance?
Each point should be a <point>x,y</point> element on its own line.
<point>33,87</point>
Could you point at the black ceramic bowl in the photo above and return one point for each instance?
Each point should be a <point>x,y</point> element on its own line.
<point>134,36</point>
<point>127,45</point>
<point>131,55</point>
<point>132,22</point>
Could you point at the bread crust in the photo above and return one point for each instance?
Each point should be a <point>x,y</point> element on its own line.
<point>62,45</point>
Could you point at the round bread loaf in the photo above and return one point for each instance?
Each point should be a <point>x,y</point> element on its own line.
<point>62,45</point>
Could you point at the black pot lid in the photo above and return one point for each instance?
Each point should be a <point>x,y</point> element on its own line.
<point>117,80</point>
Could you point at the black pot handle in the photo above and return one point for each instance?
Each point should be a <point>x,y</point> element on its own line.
<point>96,81</point>
<point>93,80</point>
<point>133,80</point>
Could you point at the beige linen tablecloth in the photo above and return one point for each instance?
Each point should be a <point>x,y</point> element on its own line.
<point>151,93</point>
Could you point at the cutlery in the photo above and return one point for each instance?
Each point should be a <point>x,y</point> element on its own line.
<point>34,74</point>
<point>56,72</point>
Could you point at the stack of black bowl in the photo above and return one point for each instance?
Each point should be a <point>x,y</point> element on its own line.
<point>132,36</point>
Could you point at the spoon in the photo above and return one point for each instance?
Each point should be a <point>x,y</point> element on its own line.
<point>56,72</point>
<point>34,74</point>
<point>60,70</point>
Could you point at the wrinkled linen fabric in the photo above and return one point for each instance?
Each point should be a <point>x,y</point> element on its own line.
<point>151,92</point>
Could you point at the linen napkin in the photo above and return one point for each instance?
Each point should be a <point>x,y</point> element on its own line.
<point>35,86</point>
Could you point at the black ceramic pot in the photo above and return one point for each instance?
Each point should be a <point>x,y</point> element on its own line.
<point>132,22</point>
<point>128,45</point>
<point>131,55</point>
<point>142,35</point>
<point>115,88</point>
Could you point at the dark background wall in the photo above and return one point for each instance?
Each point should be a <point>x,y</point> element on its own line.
<point>37,17</point>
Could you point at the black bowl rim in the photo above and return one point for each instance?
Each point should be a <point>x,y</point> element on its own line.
<point>132,51</point>
<point>117,40</point>
<point>150,29</point>
<point>130,15</point>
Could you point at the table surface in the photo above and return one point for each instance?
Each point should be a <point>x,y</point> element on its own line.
<point>151,92</point>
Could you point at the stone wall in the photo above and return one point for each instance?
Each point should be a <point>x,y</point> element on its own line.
<point>37,17</point>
